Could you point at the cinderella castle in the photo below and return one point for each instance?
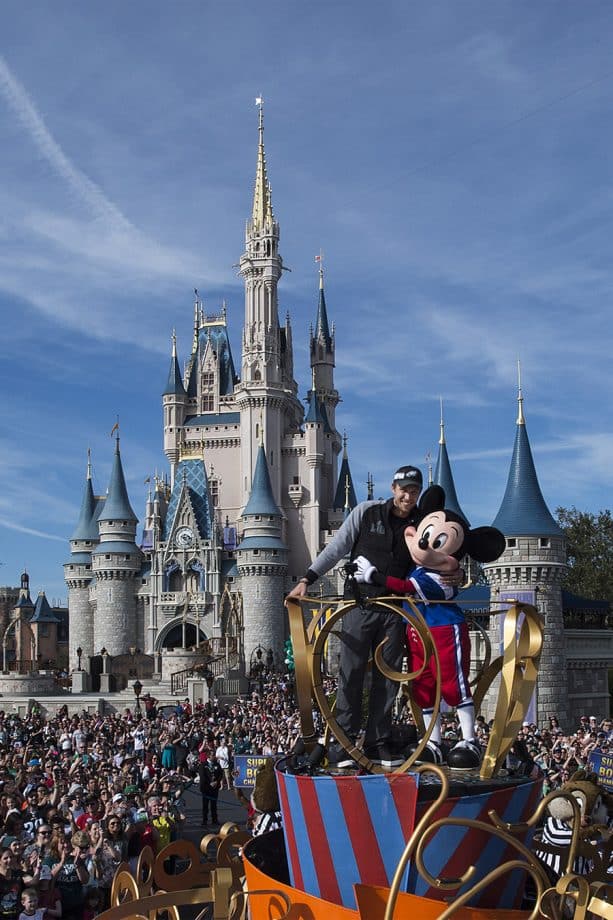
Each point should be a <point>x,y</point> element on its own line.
<point>256,485</point>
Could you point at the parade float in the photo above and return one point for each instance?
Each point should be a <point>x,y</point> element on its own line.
<point>419,842</point>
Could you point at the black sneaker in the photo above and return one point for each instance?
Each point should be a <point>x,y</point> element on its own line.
<point>432,753</point>
<point>465,755</point>
<point>338,758</point>
<point>381,754</point>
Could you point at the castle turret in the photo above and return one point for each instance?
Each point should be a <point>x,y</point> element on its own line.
<point>174,402</point>
<point>78,575</point>
<point>266,394</point>
<point>116,562</point>
<point>322,349</point>
<point>322,357</point>
<point>443,476</point>
<point>531,569</point>
<point>262,566</point>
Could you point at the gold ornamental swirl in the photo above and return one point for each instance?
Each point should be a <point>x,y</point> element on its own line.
<point>517,668</point>
<point>308,645</point>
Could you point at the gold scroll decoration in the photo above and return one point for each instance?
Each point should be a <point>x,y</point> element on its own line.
<point>308,655</point>
<point>517,667</point>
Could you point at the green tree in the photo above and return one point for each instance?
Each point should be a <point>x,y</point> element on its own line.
<point>589,546</point>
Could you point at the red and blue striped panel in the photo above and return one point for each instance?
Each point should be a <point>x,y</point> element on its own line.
<point>340,830</point>
<point>451,850</point>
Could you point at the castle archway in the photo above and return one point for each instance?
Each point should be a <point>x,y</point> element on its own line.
<point>180,633</point>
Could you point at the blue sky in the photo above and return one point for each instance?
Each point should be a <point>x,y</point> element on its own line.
<point>452,160</point>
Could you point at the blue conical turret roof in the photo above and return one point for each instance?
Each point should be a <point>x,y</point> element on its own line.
<point>174,384</point>
<point>117,505</point>
<point>87,528</point>
<point>322,328</point>
<point>42,611</point>
<point>25,602</point>
<point>345,496</point>
<point>443,476</point>
<point>523,511</point>
<point>314,414</point>
<point>261,500</point>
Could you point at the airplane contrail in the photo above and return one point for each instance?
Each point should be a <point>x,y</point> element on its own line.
<point>87,191</point>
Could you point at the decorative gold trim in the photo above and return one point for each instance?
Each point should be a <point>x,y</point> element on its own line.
<point>517,667</point>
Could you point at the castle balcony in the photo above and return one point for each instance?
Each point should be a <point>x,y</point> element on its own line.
<point>295,492</point>
<point>174,599</point>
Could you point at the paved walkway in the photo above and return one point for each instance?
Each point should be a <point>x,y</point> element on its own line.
<point>228,809</point>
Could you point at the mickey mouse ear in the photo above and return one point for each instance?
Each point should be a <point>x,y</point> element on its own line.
<point>433,499</point>
<point>485,544</point>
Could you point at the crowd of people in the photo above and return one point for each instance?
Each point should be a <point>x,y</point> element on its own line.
<point>80,792</point>
<point>547,750</point>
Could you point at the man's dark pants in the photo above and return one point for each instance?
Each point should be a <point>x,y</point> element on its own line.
<point>363,629</point>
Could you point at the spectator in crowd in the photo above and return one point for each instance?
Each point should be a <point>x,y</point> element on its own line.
<point>210,775</point>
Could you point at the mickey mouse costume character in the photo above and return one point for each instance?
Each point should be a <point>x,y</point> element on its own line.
<point>374,529</point>
<point>437,544</point>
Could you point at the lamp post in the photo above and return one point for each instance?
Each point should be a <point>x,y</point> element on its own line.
<point>137,687</point>
<point>79,656</point>
<point>210,680</point>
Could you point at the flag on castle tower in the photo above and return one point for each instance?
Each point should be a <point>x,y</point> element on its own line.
<point>114,428</point>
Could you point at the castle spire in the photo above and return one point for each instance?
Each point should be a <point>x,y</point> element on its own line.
<point>443,476</point>
<point>87,528</point>
<point>117,505</point>
<point>345,497</point>
<point>520,399</point>
<point>322,327</point>
<point>174,384</point>
<point>261,501</point>
<point>523,511</point>
<point>196,321</point>
<point>262,201</point>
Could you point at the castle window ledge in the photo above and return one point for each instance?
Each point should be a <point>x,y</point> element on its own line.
<point>180,597</point>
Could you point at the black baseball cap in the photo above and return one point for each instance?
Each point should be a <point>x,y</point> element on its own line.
<point>406,476</point>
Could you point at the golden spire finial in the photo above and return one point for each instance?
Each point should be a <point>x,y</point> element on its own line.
<point>174,343</point>
<point>520,399</point>
<point>344,445</point>
<point>89,463</point>
<point>441,440</point>
<point>262,203</point>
